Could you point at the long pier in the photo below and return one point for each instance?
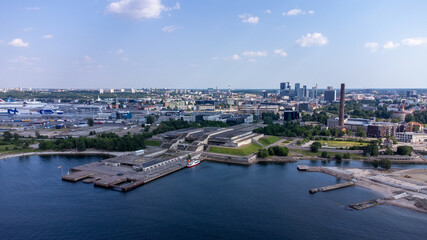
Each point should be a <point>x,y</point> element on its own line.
<point>331,187</point>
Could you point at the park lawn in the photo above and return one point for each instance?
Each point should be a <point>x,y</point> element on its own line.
<point>241,151</point>
<point>269,140</point>
<point>331,154</point>
<point>155,143</point>
<point>9,146</point>
<point>343,144</point>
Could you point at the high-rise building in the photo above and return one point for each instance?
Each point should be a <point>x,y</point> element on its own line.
<point>297,89</point>
<point>314,92</point>
<point>285,89</point>
<point>330,95</point>
<point>304,91</point>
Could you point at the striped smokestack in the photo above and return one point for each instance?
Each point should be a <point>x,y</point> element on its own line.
<point>341,116</point>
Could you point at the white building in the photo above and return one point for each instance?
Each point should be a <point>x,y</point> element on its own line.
<point>411,137</point>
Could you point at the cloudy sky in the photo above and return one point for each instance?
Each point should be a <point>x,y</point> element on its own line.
<point>201,44</point>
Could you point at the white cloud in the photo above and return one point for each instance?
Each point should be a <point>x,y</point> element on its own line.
<point>139,9</point>
<point>280,52</point>
<point>312,39</point>
<point>373,46</point>
<point>17,42</point>
<point>33,8</point>
<point>24,60</point>
<point>120,51</point>
<point>169,29</point>
<point>293,12</point>
<point>88,59</point>
<point>88,64</point>
<point>255,53</point>
<point>413,42</point>
<point>296,12</point>
<point>48,36</point>
<point>390,44</point>
<point>268,11</point>
<point>235,57</point>
<point>248,18</point>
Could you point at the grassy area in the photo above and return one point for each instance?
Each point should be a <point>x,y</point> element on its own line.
<point>155,143</point>
<point>331,154</point>
<point>6,148</point>
<point>269,140</point>
<point>343,144</point>
<point>242,151</point>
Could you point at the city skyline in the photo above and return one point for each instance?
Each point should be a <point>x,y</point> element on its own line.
<point>187,44</point>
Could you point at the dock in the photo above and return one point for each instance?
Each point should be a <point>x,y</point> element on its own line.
<point>127,172</point>
<point>333,171</point>
<point>367,204</point>
<point>77,176</point>
<point>331,187</point>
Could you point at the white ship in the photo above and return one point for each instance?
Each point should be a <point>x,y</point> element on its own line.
<point>193,163</point>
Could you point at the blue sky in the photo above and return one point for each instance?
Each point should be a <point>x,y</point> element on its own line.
<point>201,44</point>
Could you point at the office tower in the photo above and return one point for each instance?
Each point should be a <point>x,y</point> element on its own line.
<point>330,95</point>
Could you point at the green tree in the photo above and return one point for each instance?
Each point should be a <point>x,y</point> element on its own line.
<point>360,132</point>
<point>271,150</point>
<point>385,163</point>
<point>346,156</point>
<point>388,151</point>
<point>315,146</point>
<point>375,163</point>
<point>324,154</point>
<point>7,136</point>
<point>338,157</point>
<point>80,144</point>
<point>90,122</point>
<point>150,119</point>
<point>409,118</point>
<point>263,153</point>
<point>404,150</point>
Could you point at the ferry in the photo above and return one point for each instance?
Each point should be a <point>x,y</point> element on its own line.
<point>193,163</point>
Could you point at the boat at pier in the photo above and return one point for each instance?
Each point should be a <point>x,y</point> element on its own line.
<point>193,163</point>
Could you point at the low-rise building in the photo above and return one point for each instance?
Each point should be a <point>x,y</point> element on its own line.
<point>411,137</point>
<point>381,129</point>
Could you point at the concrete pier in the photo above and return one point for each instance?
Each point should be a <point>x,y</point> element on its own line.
<point>367,204</point>
<point>77,176</point>
<point>331,187</point>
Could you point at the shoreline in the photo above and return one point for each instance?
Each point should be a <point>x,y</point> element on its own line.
<point>384,190</point>
<point>388,191</point>
<point>47,153</point>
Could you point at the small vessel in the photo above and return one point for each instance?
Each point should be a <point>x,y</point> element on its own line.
<point>193,163</point>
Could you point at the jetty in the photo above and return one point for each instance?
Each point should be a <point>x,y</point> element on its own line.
<point>331,187</point>
<point>367,204</point>
<point>333,171</point>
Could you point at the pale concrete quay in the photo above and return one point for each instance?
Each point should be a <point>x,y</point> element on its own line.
<point>127,172</point>
<point>342,174</point>
<point>331,187</point>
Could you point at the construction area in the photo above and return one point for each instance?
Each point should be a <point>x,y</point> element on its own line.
<point>400,187</point>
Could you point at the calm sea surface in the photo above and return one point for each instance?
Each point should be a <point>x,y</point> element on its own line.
<point>210,201</point>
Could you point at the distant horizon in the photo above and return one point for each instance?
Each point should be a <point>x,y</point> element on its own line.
<point>222,89</point>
